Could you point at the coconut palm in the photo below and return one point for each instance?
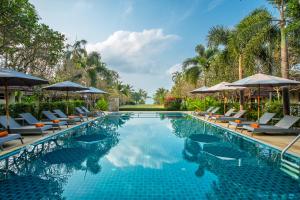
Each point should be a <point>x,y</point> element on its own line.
<point>160,95</point>
<point>194,67</point>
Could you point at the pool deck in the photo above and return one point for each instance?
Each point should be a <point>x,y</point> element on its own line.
<point>277,141</point>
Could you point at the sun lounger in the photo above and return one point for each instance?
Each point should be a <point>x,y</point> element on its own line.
<point>227,114</point>
<point>81,112</point>
<point>31,120</point>
<point>205,112</point>
<point>93,114</point>
<point>61,114</point>
<point>263,120</point>
<point>282,127</point>
<point>52,117</point>
<point>236,116</point>
<point>14,127</point>
<point>10,137</point>
<point>214,111</point>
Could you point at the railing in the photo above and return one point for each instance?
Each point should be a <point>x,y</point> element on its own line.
<point>289,146</point>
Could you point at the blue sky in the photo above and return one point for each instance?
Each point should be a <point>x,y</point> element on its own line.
<point>144,40</point>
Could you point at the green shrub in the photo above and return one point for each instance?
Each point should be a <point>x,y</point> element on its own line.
<point>172,103</point>
<point>274,107</point>
<point>102,104</point>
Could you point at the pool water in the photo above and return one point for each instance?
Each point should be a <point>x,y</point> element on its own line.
<point>147,156</point>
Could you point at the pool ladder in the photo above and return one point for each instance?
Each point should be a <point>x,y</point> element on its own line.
<point>289,167</point>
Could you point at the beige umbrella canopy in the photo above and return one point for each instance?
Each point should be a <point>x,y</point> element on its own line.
<point>262,80</point>
<point>199,90</point>
<point>222,87</point>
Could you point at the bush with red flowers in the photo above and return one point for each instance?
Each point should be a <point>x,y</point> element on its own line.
<point>172,103</point>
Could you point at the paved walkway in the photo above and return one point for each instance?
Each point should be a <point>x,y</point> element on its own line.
<point>278,141</point>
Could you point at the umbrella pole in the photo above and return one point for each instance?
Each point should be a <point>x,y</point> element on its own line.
<point>6,105</point>
<point>258,104</point>
<point>67,102</point>
<point>224,103</point>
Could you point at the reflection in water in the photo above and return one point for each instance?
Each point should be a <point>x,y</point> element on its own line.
<point>118,158</point>
<point>239,174</point>
<point>41,171</point>
<point>149,148</point>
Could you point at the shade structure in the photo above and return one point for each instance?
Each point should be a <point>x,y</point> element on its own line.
<point>91,91</point>
<point>199,90</point>
<point>10,77</point>
<point>66,86</point>
<point>263,80</point>
<point>222,87</point>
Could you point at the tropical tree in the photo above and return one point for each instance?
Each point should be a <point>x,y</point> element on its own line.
<point>160,95</point>
<point>244,41</point>
<point>282,7</point>
<point>194,67</point>
<point>140,96</point>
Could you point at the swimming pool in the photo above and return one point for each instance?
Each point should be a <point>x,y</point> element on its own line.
<point>146,156</point>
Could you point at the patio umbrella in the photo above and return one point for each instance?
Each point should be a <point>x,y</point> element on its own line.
<point>222,87</point>
<point>262,80</point>
<point>199,90</point>
<point>10,77</point>
<point>66,86</point>
<point>92,91</point>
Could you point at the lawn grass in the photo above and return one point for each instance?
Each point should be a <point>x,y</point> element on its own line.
<point>142,107</point>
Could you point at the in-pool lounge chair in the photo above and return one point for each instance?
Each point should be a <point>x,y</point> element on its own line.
<point>263,120</point>
<point>31,120</point>
<point>236,116</point>
<point>14,127</point>
<point>227,114</point>
<point>52,117</point>
<point>282,127</point>
<point>61,114</point>
<point>204,112</point>
<point>213,112</point>
<point>10,137</point>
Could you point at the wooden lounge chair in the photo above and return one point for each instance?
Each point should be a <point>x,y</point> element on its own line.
<point>31,120</point>
<point>263,120</point>
<point>14,127</point>
<point>282,127</point>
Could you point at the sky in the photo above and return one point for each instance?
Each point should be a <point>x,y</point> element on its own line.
<point>145,41</point>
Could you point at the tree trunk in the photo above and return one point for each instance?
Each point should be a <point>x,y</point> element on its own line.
<point>284,60</point>
<point>240,77</point>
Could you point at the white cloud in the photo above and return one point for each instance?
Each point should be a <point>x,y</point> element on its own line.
<point>174,68</point>
<point>134,52</point>
<point>213,4</point>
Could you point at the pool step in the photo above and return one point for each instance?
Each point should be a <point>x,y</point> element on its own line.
<point>290,168</point>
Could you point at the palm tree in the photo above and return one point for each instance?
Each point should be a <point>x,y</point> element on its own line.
<point>194,67</point>
<point>160,95</point>
<point>244,40</point>
<point>281,7</point>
